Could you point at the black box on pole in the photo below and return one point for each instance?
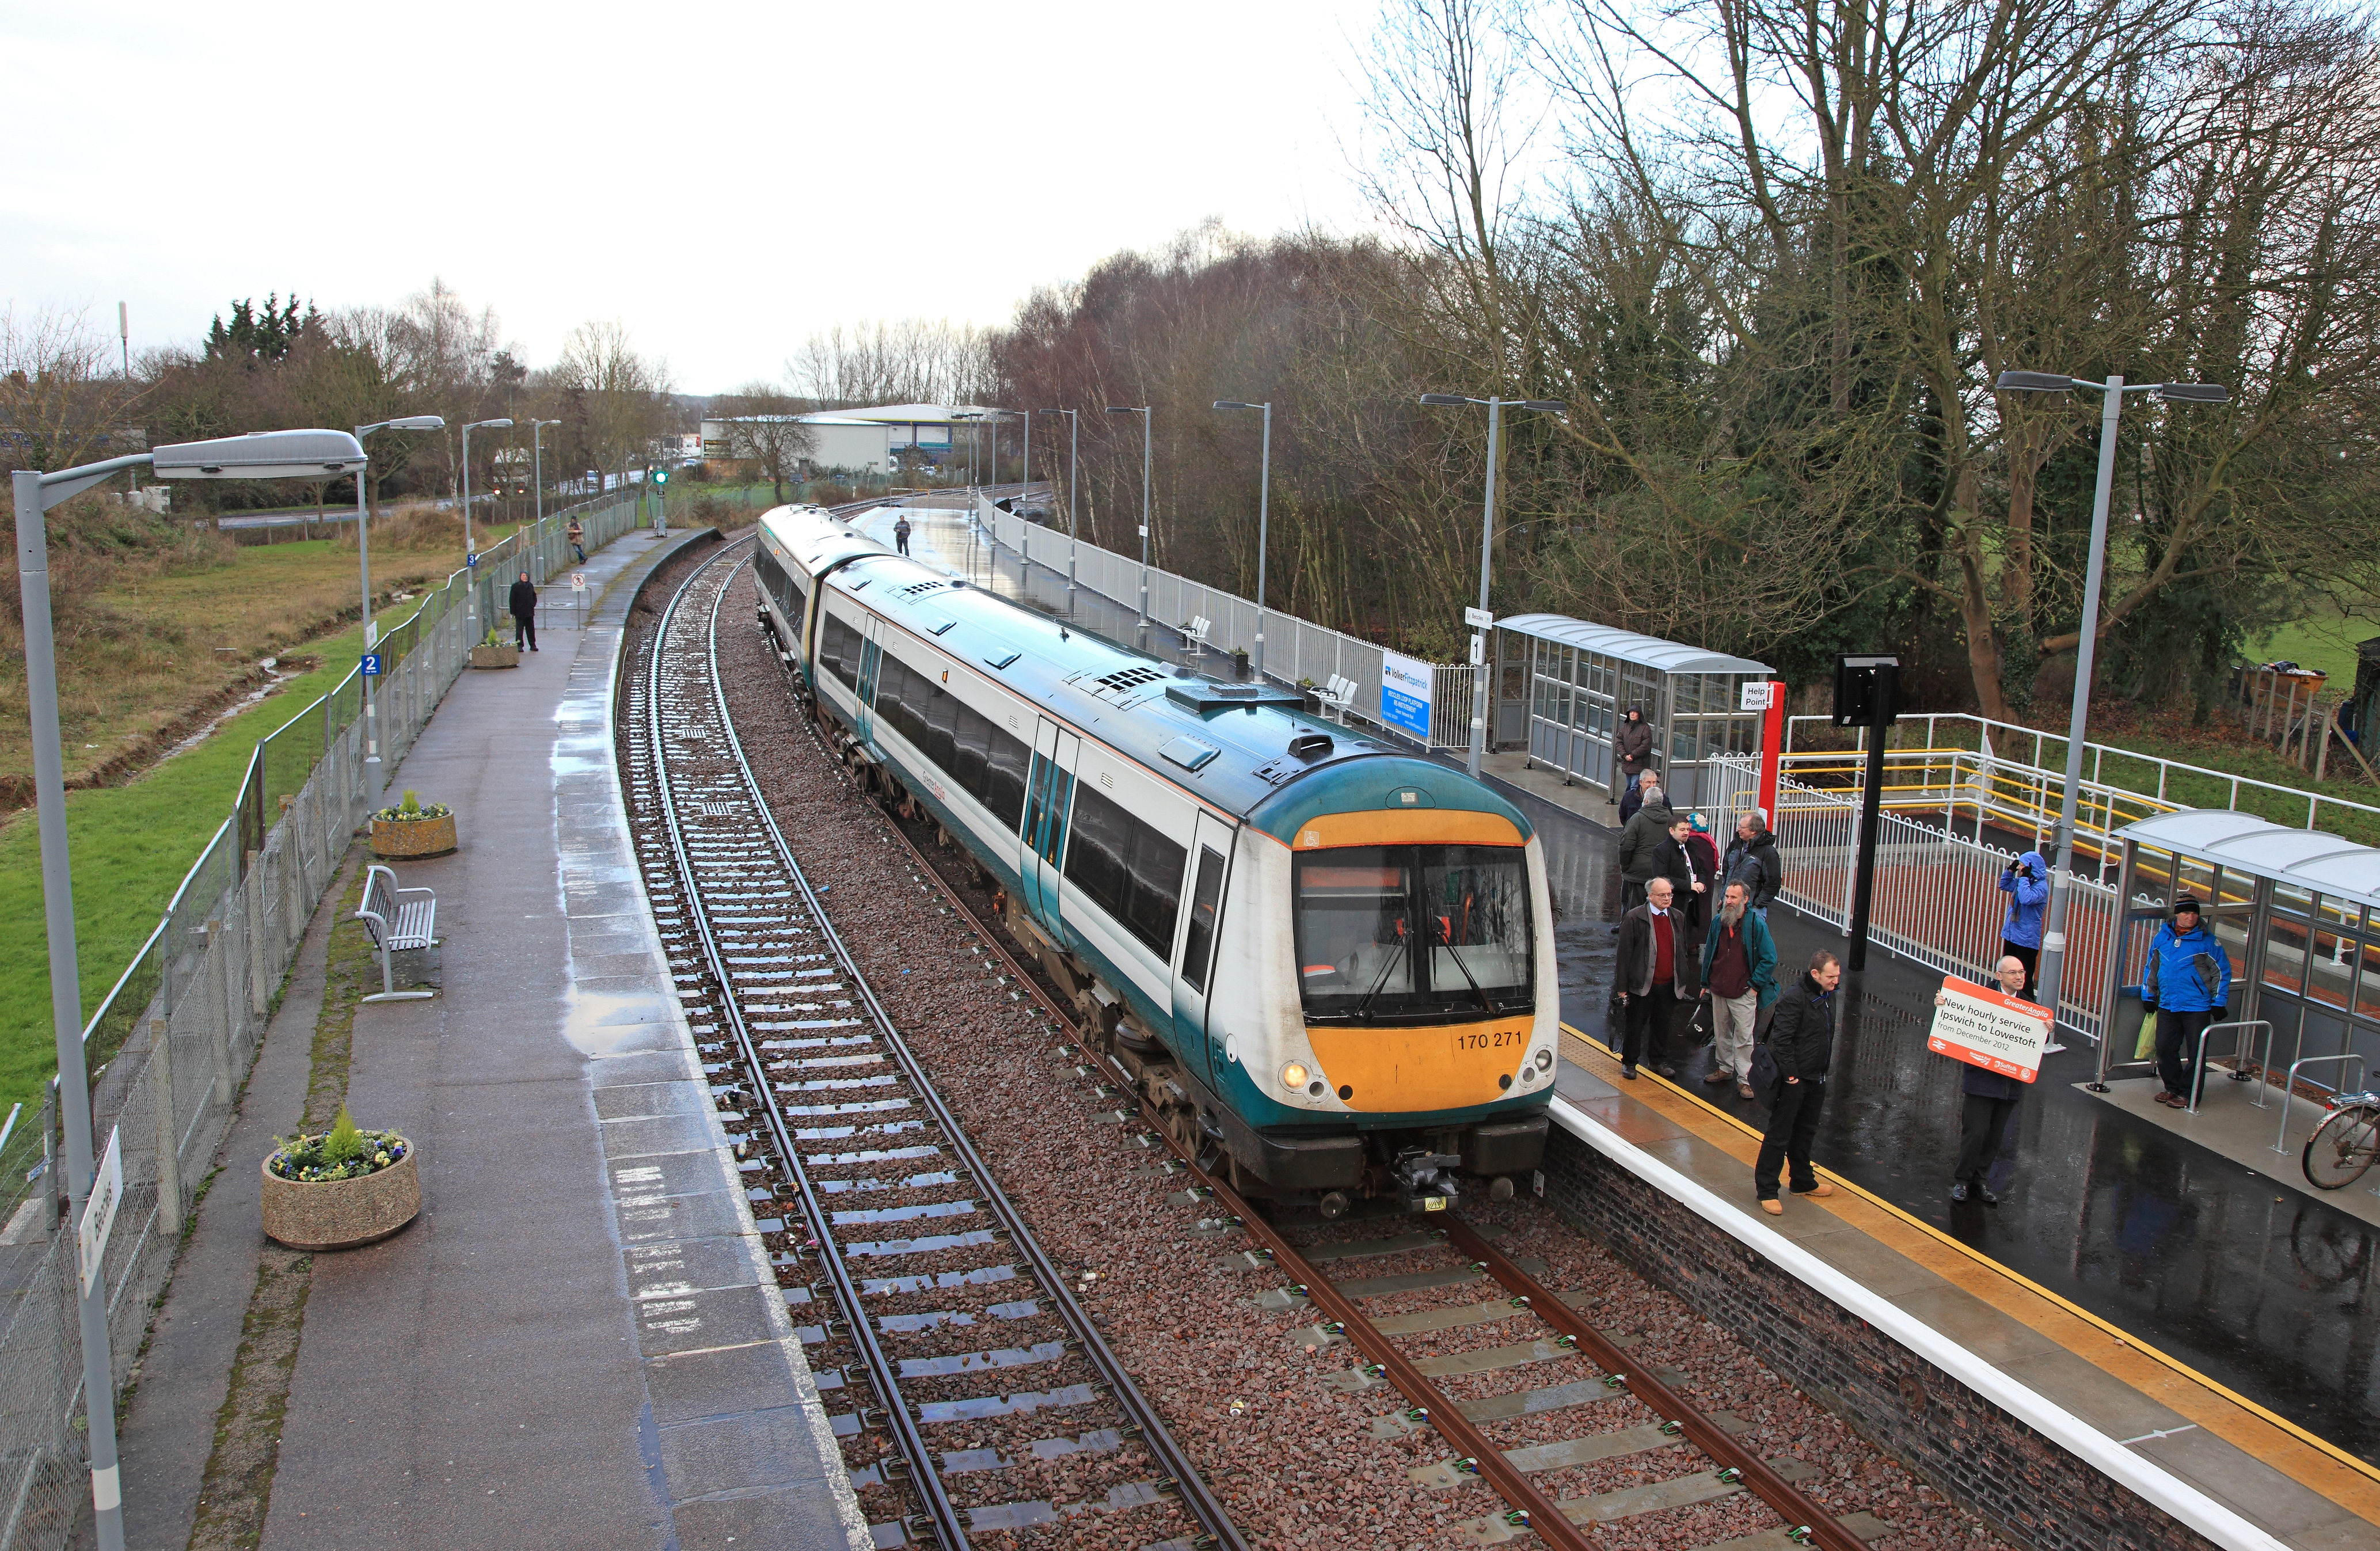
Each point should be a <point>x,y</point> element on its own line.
<point>1867,693</point>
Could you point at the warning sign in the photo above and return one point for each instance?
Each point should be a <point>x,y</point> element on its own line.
<point>1989,1028</point>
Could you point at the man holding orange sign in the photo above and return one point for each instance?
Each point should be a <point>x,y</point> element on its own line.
<point>2000,1034</point>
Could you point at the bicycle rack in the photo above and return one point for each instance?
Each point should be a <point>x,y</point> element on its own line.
<point>2198,1066</point>
<point>2280,1139</point>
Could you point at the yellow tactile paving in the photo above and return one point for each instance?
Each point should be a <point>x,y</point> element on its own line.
<point>2313,1463</point>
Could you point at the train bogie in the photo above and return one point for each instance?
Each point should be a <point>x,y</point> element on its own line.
<point>1325,960</point>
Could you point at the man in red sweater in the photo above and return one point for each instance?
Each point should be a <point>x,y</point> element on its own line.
<point>1659,953</point>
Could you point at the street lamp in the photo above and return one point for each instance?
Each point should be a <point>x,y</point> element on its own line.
<point>1264,518</point>
<point>2111,408</point>
<point>1147,420</point>
<point>1073,467</point>
<point>1481,620</point>
<point>280,454</point>
<point>974,441</point>
<point>537,462</point>
<point>373,775</point>
<point>469,548</point>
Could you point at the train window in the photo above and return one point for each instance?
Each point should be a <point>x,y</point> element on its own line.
<point>942,715</point>
<point>1198,942</point>
<point>970,742</point>
<point>1006,758</point>
<point>839,651</point>
<point>1413,930</point>
<point>1129,868</point>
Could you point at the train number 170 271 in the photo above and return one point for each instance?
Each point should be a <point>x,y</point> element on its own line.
<point>1496,1039</point>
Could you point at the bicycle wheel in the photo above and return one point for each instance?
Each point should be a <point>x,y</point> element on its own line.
<point>2342,1147</point>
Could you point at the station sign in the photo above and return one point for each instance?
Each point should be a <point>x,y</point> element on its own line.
<point>371,664</point>
<point>1405,691</point>
<point>99,1212</point>
<point>1759,694</point>
<point>1987,1027</point>
<point>1478,619</point>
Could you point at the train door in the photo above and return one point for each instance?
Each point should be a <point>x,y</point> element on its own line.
<point>871,654</point>
<point>1194,956</point>
<point>1048,794</point>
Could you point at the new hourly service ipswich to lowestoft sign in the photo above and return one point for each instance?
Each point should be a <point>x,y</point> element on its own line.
<point>1405,687</point>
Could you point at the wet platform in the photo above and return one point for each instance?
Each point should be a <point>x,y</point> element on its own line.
<point>580,1341</point>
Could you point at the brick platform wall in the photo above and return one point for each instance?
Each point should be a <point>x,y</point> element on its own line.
<point>1959,1443</point>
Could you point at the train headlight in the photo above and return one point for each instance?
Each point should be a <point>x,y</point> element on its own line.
<point>1293,1076</point>
<point>1544,1060</point>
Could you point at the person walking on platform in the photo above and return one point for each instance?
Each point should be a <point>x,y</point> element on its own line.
<point>1802,1037</point>
<point>1632,746</point>
<point>1639,843</point>
<point>1739,979</point>
<point>901,532</point>
<point>1751,860</point>
<point>1988,1102</point>
<point>2187,981</point>
<point>2026,883</point>
<point>576,534</point>
<point>524,610</point>
<point>1633,797</point>
<point>1655,973</point>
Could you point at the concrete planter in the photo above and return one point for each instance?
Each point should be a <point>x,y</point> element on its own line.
<point>495,657</point>
<point>413,837</point>
<point>342,1214</point>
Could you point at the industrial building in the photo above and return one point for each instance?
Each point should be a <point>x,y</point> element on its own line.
<point>863,441</point>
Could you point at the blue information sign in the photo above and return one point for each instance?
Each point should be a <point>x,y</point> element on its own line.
<point>371,664</point>
<point>471,559</point>
<point>1405,693</point>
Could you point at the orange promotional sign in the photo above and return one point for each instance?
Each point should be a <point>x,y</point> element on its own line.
<point>1989,1028</point>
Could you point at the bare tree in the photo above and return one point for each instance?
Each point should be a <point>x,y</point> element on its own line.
<point>619,397</point>
<point>62,400</point>
<point>764,427</point>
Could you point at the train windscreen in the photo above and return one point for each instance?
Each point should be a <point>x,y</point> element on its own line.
<point>1390,933</point>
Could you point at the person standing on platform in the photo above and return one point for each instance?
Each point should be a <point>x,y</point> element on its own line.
<point>1704,855</point>
<point>1740,979</point>
<point>1656,973</point>
<point>901,532</point>
<point>1632,746</point>
<point>1801,1036</point>
<point>1640,845</point>
<point>576,534</point>
<point>524,611</point>
<point>2026,883</point>
<point>1674,859</point>
<point>1751,860</point>
<point>1989,1101</point>
<point>1633,797</point>
<point>2187,981</point>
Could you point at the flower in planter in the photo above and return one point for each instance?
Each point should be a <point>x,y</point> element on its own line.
<point>411,808</point>
<point>344,1152</point>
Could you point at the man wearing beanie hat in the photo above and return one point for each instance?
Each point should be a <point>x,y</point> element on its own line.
<point>2186,980</point>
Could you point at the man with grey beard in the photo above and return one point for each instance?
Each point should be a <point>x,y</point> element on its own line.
<point>1740,979</point>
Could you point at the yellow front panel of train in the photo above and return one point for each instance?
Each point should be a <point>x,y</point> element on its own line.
<point>1449,1066</point>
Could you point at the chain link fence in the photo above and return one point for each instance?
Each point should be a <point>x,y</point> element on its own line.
<point>171,1043</point>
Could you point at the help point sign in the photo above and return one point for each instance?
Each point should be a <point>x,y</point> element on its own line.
<point>1989,1028</point>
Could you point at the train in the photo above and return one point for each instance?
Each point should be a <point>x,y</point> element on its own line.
<point>1328,962</point>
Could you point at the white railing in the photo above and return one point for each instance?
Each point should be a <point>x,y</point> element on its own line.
<point>171,1041</point>
<point>1296,653</point>
<point>1936,898</point>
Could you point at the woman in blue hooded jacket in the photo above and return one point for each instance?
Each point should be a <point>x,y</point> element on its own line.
<point>2186,980</point>
<point>2026,882</point>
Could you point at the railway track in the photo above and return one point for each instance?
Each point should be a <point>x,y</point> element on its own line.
<point>971,1372</point>
<point>1539,1326</point>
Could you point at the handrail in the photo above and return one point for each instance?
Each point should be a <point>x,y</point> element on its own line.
<point>2198,1077</point>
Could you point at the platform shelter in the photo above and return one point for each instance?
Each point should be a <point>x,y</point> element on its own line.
<point>2298,913</point>
<point>1563,686</point>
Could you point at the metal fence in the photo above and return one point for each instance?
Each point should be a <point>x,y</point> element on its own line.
<point>1937,898</point>
<point>1297,654</point>
<point>171,1043</point>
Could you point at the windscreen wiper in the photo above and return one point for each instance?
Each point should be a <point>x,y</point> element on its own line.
<point>1456,953</point>
<point>1387,964</point>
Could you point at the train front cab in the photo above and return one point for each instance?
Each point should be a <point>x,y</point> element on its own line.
<point>1415,996</point>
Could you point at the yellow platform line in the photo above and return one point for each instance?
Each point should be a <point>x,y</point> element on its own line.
<point>2313,1462</point>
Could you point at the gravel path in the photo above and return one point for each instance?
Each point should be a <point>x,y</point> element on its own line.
<point>1300,1447</point>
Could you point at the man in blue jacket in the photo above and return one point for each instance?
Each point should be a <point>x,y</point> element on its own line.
<point>2187,981</point>
<point>1739,981</point>
<point>2026,882</point>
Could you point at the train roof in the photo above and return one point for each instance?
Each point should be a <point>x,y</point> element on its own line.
<point>1249,748</point>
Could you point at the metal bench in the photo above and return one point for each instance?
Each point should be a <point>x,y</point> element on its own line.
<point>1337,695</point>
<point>398,919</point>
<point>1195,633</point>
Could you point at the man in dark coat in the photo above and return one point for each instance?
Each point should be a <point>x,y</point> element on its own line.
<point>1640,844</point>
<point>1633,798</point>
<point>1673,858</point>
<point>524,608</point>
<point>1752,861</point>
<point>1802,1037</point>
<point>1632,746</point>
<point>1658,956</point>
<point>1989,1100</point>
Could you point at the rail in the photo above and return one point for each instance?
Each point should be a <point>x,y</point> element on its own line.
<point>2281,1137</point>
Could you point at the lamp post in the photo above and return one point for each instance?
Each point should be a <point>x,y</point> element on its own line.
<point>375,776</point>
<point>1481,621</point>
<point>280,455</point>
<point>537,464</point>
<point>973,442</point>
<point>1073,467</point>
<point>2111,409</point>
<point>1147,420</point>
<point>469,548</point>
<point>1264,518</point>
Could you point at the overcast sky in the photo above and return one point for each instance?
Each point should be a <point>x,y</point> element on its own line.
<point>725,178</point>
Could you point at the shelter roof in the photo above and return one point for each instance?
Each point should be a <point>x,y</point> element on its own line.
<point>1651,651</point>
<point>2312,859</point>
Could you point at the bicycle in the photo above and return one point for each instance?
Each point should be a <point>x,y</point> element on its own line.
<point>2345,1142</point>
